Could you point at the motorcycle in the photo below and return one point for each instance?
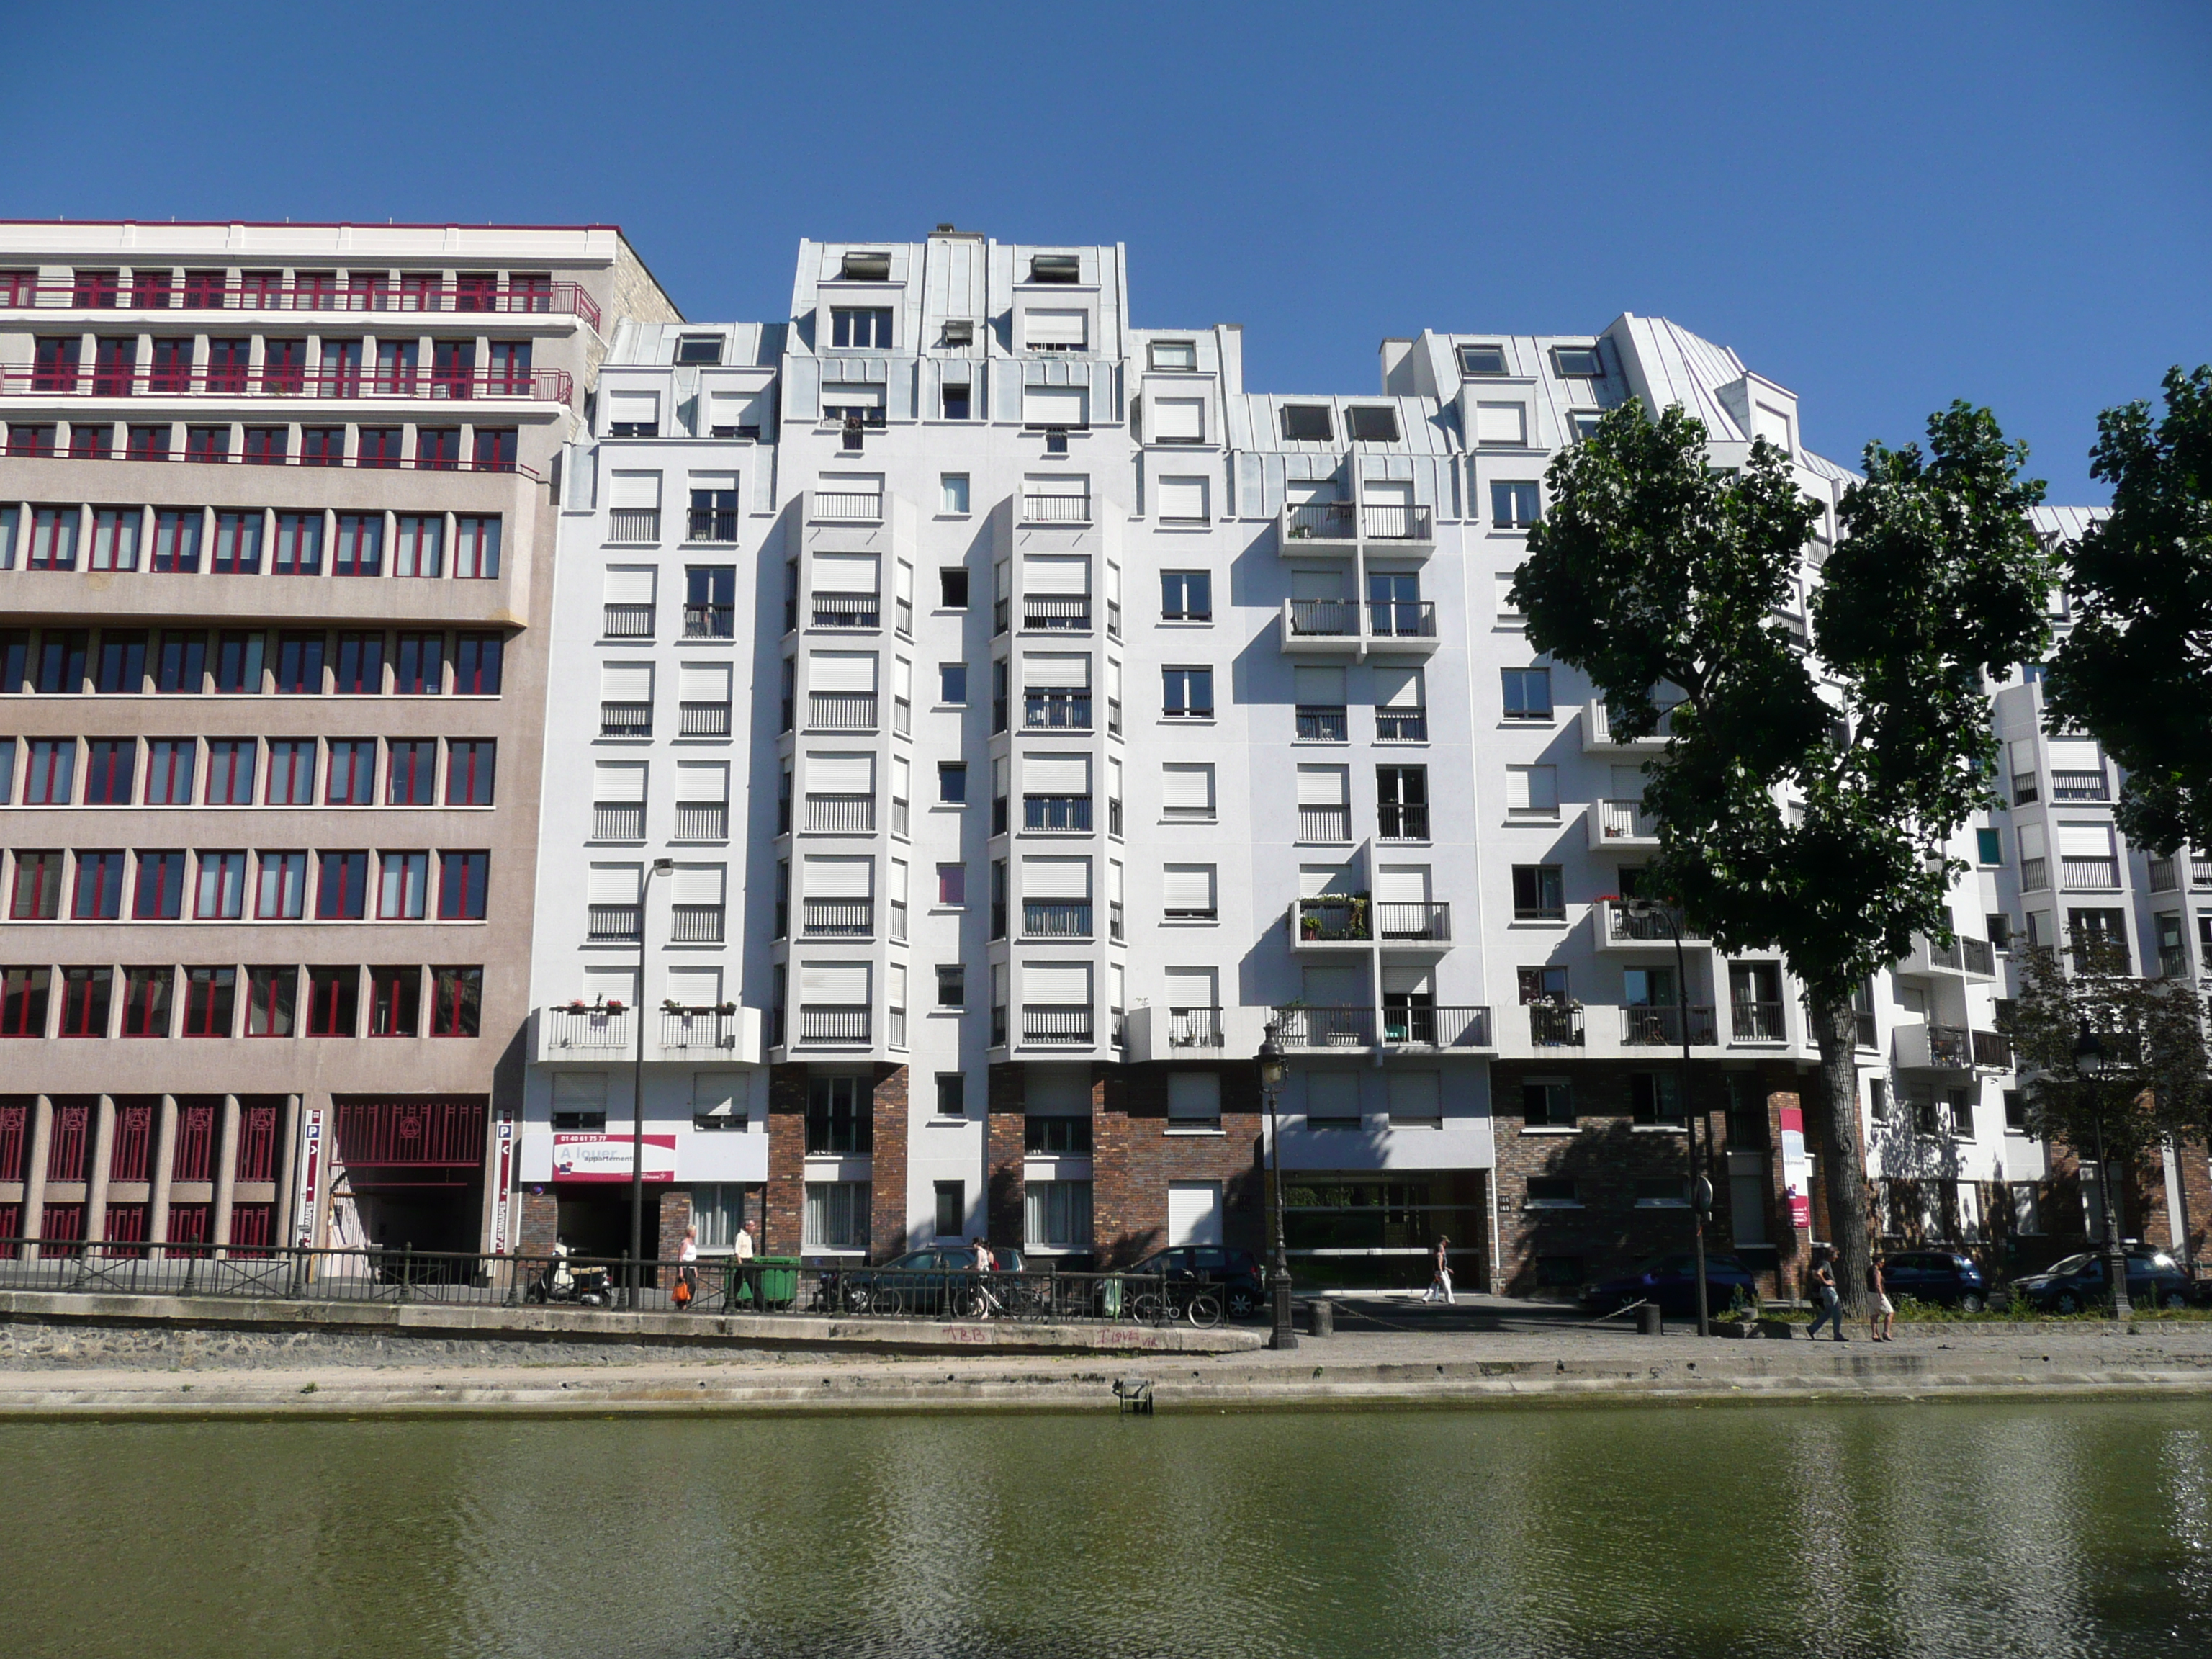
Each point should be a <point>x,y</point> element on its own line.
<point>587,1286</point>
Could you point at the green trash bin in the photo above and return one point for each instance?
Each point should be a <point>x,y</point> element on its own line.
<point>777,1276</point>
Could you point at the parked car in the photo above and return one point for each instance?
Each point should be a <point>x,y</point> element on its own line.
<point>2154,1280</point>
<point>939,1281</point>
<point>1672,1282</point>
<point>1942,1278</point>
<point>1243,1282</point>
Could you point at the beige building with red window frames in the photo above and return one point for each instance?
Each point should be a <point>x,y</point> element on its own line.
<point>276,551</point>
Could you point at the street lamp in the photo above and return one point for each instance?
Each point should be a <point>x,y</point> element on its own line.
<point>659,867</point>
<point>2089,1064</point>
<point>1272,1073</point>
<point>1700,1188</point>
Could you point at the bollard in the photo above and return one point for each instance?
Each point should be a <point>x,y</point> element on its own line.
<point>1321,1318</point>
<point>1650,1322</point>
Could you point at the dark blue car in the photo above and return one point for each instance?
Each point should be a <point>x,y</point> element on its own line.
<point>1672,1282</point>
<point>1940,1278</point>
<point>2155,1280</point>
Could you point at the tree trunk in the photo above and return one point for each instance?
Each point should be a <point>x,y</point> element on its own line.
<point>1835,1022</point>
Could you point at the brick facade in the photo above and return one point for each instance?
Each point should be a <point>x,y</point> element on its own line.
<point>541,1221</point>
<point>1135,1157</point>
<point>887,1230</point>
<point>675,1215</point>
<point>783,1221</point>
<point>1004,1135</point>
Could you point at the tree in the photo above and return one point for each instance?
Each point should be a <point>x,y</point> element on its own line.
<point>1802,805</point>
<point>2137,670</point>
<point>2151,1083</point>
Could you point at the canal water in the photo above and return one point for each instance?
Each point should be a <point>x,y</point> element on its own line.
<point>2077,1529</point>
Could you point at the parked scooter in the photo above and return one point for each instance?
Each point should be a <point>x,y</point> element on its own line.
<point>587,1287</point>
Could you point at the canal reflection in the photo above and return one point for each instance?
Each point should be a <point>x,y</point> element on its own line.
<point>2078,1528</point>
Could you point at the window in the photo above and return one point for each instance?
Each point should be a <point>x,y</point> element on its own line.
<point>237,544</point>
<point>360,547</point>
<point>698,348</point>
<point>411,773</point>
<point>395,996</point>
<point>952,782</point>
<point>333,1001</point>
<point>1989,845</point>
<point>146,994</point>
<point>1187,892</point>
<point>1186,596</point>
<point>403,886</point>
<point>1308,423</point>
<point>953,683</point>
<point>417,546</point>
<point>952,589</point>
<point>1661,1193</point>
<point>463,879</point>
<point>419,665</point>
<point>1177,421</point>
<point>110,773</point>
<point>477,660</point>
<point>360,666</point>
<point>1585,422</point>
<point>1655,1097</point>
<point>952,987</point>
<point>300,665</point>
<point>1371,423</point>
<point>220,895</point>
<point>1193,1100</point>
<point>1515,504</point>
<point>1533,790</point>
<point>272,996</point>
<point>1552,1193</point>
<point>1187,791</point>
<point>957,405</point>
<point>494,449</point>
<point>952,884</point>
<point>97,894</point>
<point>238,664</point>
<point>341,886</point>
<point>160,893</point>
<point>1402,802</point>
<point>840,1117</point>
<point>230,771</point>
<point>352,778</point>
<point>180,665</point>
<point>1996,927</point>
<point>210,994</point>
<point>280,892</point>
<point>23,1010</point>
<point>456,1001</point>
<point>470,765</point>
<point>1481,360</point>
<point>1547,1103</point>
<point>1577,362</point>
<point>299,544</point>
<point>1539,893</point>
<point>1527,694</point>
<point>177,541</point>
<point>322,445</point>
<point>1187,693</point>
<point>952,1208</point>
<point>1175,354</point>
<point>475,548</point>
<point>1181,500</point>
<point>860,327</point>
<point>837,1217</point>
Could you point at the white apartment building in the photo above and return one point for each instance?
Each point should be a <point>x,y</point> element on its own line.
<point>981,717</point>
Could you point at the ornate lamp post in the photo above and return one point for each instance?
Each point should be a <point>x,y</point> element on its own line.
<point>1701,1189</point>
<point>2089,1062</point>
<point>657,867</point>
<point>1272,1073</point>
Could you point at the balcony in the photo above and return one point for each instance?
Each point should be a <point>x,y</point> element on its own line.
<point>1401,821</point>
<point>840,918</point>
<point>626,622</point>
<point>2080,785</point>
<point>841,1025</point>
<point>687,1030</point>
<point>1659,1025</point>
<point>856,610</point>
<point>846,506</point>
<point>840,711</point>
<point>695,924</point>
<point>1923,1048</point>
<point>710,621</point>
<point>1401,625</point>
<point>1056,919</point>
<point>1992,1051</point>
<point>1335,627</point>
<point>2200,872</point>
<point>599,1029</point>
<point>2090,875</point>
<point>1555,1024</point>
<point>1321,623</point>
<point>1412,922</point>
<point>1055,509</point>
<point>1063,613</point>
<point>1434,1027</point>
<point>2024,790</point>
<point>1332,528</point>
<point>1194,1028</point>
<point>2163,879</point>
<point>1323,723</point>
<point>1057,1026</point>
<point>636,527</point>
<point>1325,825</point>
<point>1325,1028</point>
<point>706,820</point>
<point>1402,725</point>
<point>1621,826</point>
<point>1398,524</point>
<point>1962,956</point>
<point>1757,1021</point>
<point>708,524</point>
<point>251,292</point>
<point>1061,814</point>
<point>618,821</point>
<point>1057,711</point>
<point>841,815</point>
<point>703,719</point>
<point>1598,737</point>
<point>611,924</point>
<point>1331,920</point>
<point>625,719</point>
<point>1618,927</point>
<point>2034,875</point>
<point>42,381</point>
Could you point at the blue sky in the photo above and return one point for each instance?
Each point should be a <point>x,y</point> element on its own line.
<point>1881,207</point>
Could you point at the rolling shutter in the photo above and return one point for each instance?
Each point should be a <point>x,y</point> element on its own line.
<point>618,782</point>
<point>635,489</point>
<point>1067,984</point>
<point>1501,423</point>
<point>702,782</point>
<point>1178,419</point>
<point>626,682</point>
<point>1182,498</point>
<point>837,879</point>
<point>840,774</point>
<point>1398,688</point>
<point>1323,686</point>
<point>1187,788</point>
<point>696,884</point>
<point>2074,755</point>
<point>633,408</point>
<point>1055,328</point>
<point>613,884</point>
<point>1416,1095</point>
<point>703,682</point>
<point>1322,786</point>
<point>1191,987</point>
<point>1187,887</point>
<point>1402,884</point>
<point>1332,1094</point>
<point>1056,775</point>
<point>1057,575</point>
<point>841,671</point>
<point>844,572</point>
<point>852,394</point>
<point>1055,669</point>
<point>835,982</point>
<point>2085,841</point>
<point>1055,406</point>
<point>1055,878</point>
<point>630,585</point>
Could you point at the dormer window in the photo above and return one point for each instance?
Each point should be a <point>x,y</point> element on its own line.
<point>866,268</point>
<point>959,330</point>
<point>1175,354</point>
<point>1372,425</point>
<point>1482,359</point>
<point>1577,362</point>
<point>699,349</point>
<point>1308,423</point>
<point>1055,330</point>
<point>1055,268</point>
<point>861,327</point>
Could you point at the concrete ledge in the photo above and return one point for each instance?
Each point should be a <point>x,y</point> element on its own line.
<point>443,1322</point>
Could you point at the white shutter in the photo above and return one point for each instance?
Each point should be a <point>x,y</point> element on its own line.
<point>1115,885</point>
<point>1380,492</point>
<point>703,682</point>
<point>702,782</point>
<point>895,984</point>
<point>844,572</point>
<point>1056,775</point>
<point>1114,678</point>
<point>1332,1094</point>
<point>1057,575</point>
<point>618,781</point>
<point>2085,841</point>
<point>1402,884</point>
<point>626,682</point>
<point>1040,668</point>
<point>1055,328</point>
<point>1187,788</point>
<point>1321,686</point>
<point>1533,788</point>
<point>903,581</point>
<point>1064,983</point>
<point>1055,878</point>
<point>840,774</point>
<point>1416,1095</point>
<point>2074,755</point>
<point>1322,786</point>
<point>1191,987</point>
<point>1398,688</point>
<point>1406,979</point>
<point>580,1091</point>
<point>1181,498</point>
<point>1178,418</point>
<point>902,678</point>
<point>1187,887</point>
<point>845,982</point>
<point>1055,406</point>
<point>852,394</point>
<point>696,884</point>
<point>634,490</point>
<point>1501,423</point>
<point>630,585</point>
<point>727,409</point>
<point>837,879</point>
<point>841,671</point>
<point>1194,1095</point>
<point>613,884</point>
<point>1194,1213</point>
<point>902,778</point>
<point>624,408</point>
<point>1316,880</point>
<point>2031,841</point>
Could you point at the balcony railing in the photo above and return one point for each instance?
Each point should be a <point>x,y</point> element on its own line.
<point>1194,1028</point>
<point>1403,821</point>
<point>695,924</point>
<point>847,610</point>
<point>1323,723</point>
<point>710,621</point>
<point>1950,1048</point>
<point>618,821</point>
<point>1068,812</point>
<point>1625,820</point>
<point>2024,790</point>
<point>850,505</point>
<point>2090,875</point>
<point>692,1029</point>
<point>552,385</point>
<point>845,1024</point>
<point>1757,1021</point>
<point>1555,1025</point>
<point>625,719</point>
<point>1402,619</point>
<point>1395,522</point>
<point>607,922</point>
<point>627,622</point>
<point>841,814</point>
<point>713,524</point>
<point>1625,926</point>
<point>1601,735</point>
<point>542,299</point>
<point>844,917</point>
<point>1402,725</point>
<point>1325,1027</point>
<point>1978,956</point>
<point>1061,1024</point>
<point>2200,870</point>
<point>1056,612</point>
<point>2034,875</point>
<point>702,820</point>
<point>1992,1051</point>
<point>1422,921</point>
<point>1324,824</point>
<point>703,719</point>
<point>2080,785</point>
<point>1328,920</point>
<point>1056,919</point>
<point>1319,521</point>
<point>1324,618</point>
<point>1431,1027</point>
<point>840,711</point>
<point>1055,509</point>
<point>2163,877</point>
<point>638,525</point>
<point>1056,710</point>
<point>1660,1025</point>
<point>587,1028</point>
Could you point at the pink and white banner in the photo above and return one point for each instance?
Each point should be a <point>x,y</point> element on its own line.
<point>607,1157</point>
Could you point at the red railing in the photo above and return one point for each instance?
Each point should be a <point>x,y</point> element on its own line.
<point>14,1141</point>
<point>257,1146</point>
<point>131,1158</point>
<point>547,299</point>
<point>22,445</point>
<point>195,1154</point>
<point>553,386</point>
<point>411,1133</point>
<point>68,1153</point>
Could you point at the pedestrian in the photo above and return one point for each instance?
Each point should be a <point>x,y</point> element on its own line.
<point>984,1263</point>
<point>745,1245</point>
<point>1828,1306</point>
<point>1440,1280</point>
<point>1881,1313</point>
<point>687,1269</point>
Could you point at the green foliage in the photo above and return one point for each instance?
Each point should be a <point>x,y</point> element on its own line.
<point>2137,670</point>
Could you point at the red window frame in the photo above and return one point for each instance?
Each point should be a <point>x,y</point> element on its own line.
<point>171,765</point>
<point>231,763</point>
<point>419,665</point>
<point>418,545</point>
<point>300,664</point>
<point>464,881</point>
<point>395,997</point>
<point>237,550</point>
<point>50,771</point>
<point>87,994</point>
<point>131,1151</point>
<point>23,993</point>
<point>266,446</point>
<point>219,894</point>
<point>151,290</point>
<point>158,894</point>
<point>291,772</point>
<point>96,894</point>
<point>341,886</point>
<point>194,1159</point>
<point>322,445</point>
<point>360,549</point>
<point>478,661</point>
<point>114,366</point>
<point>34,890</point>
<point>111,772</point>
<point>228,362</point>
<point>172,368</point>
<point>272,1005</point>
<point>475,548</point>
<point>283,368</point>
<point>69,1146</point>
<point>494,449</point>
<point>95,290</point>
<point>410,775</point>
<point>177,540</point>
<point>361,666</point>
<point>210,1001</point>
<point>403,886</point>
<point>437,449</point>
<point>472,771</point>
<point>53,538</point>
<point>91,440</point>
<point>148,994</point>
<point>280,886</point>
<point>456,1002</point>
<point>147,443</point>
<point>54,363</point>
<point>350,779</point>
<point>333,1001</point>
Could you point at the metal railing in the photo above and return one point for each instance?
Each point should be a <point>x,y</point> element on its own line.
<point>2024,790</point>
<point>1402,619</point>
<point>1056,612</point>
<point>702,820</point>
<point>1950,1047</point>
<point>1194,1028</point>
<point>1320,521</point>
<point>2080,785</point>
<point>1059,710</point>
<point>1056,919</point>
<point>1330,920</point>
<point>1323,723</point>
<point>1600,719</point>
<point>625,719</point>
<point>1033,1297</point>
<point>2163,877</point>
<point>1055,509</point>
<point>703,719</point>
<point>552,385</point>
<point>2090,875</point>
<point>1403,821</point>
<point>1433,1027</point>
<point>833,1023</point>
<point>837,918</point>
<point>695,924</point>
<point>862,610</point>
<point>1425,919</point>
<point>2200,870</point>
<point>841,814</point>
<point>1757,1021</point>
<point>274,294</point>
<point>847,504</point>
<point>1066,1023</point>
<point>612,921</point>
<point>24,444</point>
<point>1660,1024</point>
<point>1324,618</point>
<point>1625,820</point>
<point>1395,522</point>
<point>1991,1050</point>
<point>1978,956</point>
<point>1402,725</point>
<point>840,711</point>
<point>1324,824</point>
<point>2034,875</point>
<point>710,621</point>
<point>618,821</point>
<point>1625,926</point>
<point>640,525</point>
<point>689,1028</point>
<point>1325,1027</point>
<point>627,622</point>
<point>709,523</point>
<point>1068,812</point>
<point>577,1026</point>
<point>1555,1025</point>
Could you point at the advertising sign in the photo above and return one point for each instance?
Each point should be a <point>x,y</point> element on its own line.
<point>607,1157</point>
<point>1796,1169</point>
<point>310,1176</point>
<point>503,1180</point>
